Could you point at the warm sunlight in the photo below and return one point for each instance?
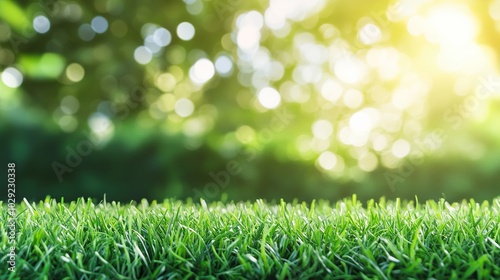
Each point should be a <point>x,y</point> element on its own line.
<point>450,25</point>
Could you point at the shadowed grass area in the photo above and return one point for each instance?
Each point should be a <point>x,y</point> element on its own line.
<point>174,240</point>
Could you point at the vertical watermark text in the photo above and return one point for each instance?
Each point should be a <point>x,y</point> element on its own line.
<point>11,220</point>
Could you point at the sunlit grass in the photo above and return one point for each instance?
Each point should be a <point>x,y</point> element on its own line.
<point>173,240</point>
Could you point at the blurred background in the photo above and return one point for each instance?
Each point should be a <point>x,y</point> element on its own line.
<point>233,99</point>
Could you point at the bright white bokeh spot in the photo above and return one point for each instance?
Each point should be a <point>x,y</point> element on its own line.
<point>151,44</point>
<point>402,98</point>
<point>248,38</point>
<point>41,24</point>
<point>364,121</point>
<point>353,98</point>
<point>296,10</point>
<point>327,160</point>
<point>379,143</point>
<point>162,37</point>
<point>276,71</point>
<point>12,78</point>
<point>322,129</point>
<point>350,69</point>
<point>346,135</point>
<point>331,90</point>
<point>185,31</point>
<point>143,55</point>
<point>269,98</point>
<point>261,59</point>
<point>274,19</point>
<point>369,34</point>
<point>75,72</point>
<point>223,65</point>
<point>304,74</point>
<point>99,24</point>
<point>349,137</point>
<point>416,25</point>
<point>401,148</point>
<point>450,25</point>
<point>100,123</point>
<point>70,105</point>
<point>312,52</point>
<point>494,10</point>
<point>252,18</point>
<point>202,71</point>
<point>249,25</point>
<point>184,107</point>
<point>385,60</point>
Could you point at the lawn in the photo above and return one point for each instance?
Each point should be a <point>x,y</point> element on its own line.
<point>175,240</point>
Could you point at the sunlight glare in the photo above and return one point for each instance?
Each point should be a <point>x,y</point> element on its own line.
<point>450,26</point>
<point>350,69</point>
<point>364,121</point>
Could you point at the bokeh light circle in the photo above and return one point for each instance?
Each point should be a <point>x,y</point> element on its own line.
<point>185,31</point>
<point>75,72</point>
<point>99,24</point>
<point>11,77</point>
<point>202,71</point>
<point>327,160</point>
<point>184,107</point>
<point>41,24</point>
<point>143,55</point>
<point>269,98</point>
<point>70,105</point>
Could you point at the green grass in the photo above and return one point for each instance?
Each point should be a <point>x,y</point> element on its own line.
<point>175,240</point>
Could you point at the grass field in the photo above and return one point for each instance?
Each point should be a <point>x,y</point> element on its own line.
<point>174,240</point>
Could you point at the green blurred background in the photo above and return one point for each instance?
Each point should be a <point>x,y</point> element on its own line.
<point>233,99</point>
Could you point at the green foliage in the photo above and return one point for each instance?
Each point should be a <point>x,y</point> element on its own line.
<point>14,15</point>
<point>173,239</point>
